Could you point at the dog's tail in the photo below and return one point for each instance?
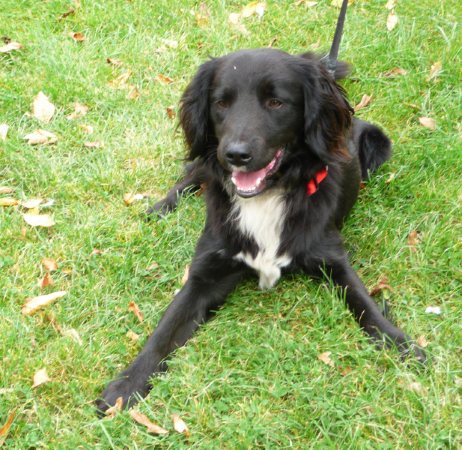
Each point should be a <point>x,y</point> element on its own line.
<point>373,146</point>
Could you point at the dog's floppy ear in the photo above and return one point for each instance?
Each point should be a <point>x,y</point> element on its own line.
<point>327,112</point>
<point>194,110</point>
<point>342,68</point>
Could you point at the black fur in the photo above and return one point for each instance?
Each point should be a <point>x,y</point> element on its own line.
<point>254,104</point>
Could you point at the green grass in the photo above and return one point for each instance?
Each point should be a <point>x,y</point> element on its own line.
<point>251,377</point>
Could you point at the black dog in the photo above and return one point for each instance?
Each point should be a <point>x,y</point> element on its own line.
<point>273,138</point>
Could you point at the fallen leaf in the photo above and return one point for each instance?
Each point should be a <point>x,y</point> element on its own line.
<point>392,21</point>
<point>45,281</point>
<point>257,8</point>
<point>130,198</point>
<point>33,304</point>
<point>428,122</point>
<point>10,47</point>
<point>41,137</point>
<point>390,178</point>
<point>366,99</point>
<point>170,43</point>
<point>8,201</point>
<point>433,310</point>
<point>435,71</point>
<point>77,36</point>
<point>40,377</point>
<point>80,110</point>
<point>134,93</point>
<point>68,13</point>
<point>49,264</point>
<point>39,220</point>
<point>116,408</point>
<point>114,62</point>
<point>179,425</point>
<point>132,335</point>
<point>396,71</point>
<point>305,3</point>
<point>133,307</point>
<point>87,129</point>
<point>326,359</point>
<point>73,334</point>
<point>96,251</point>
<point>153,266</point>
<point>380,286</point>
<point>6,190</point>
<point>163,79</point>
<point>93,144</point>
<point>390,4</point>
<point>31,203</point>
<point>4,430</point>
<point>3,131</point>
<point>50,202</point>
<point>422,341</point>
<point>171,112</point>
<point>203,15</point>
<point>144,420</point>
<point>42,108</point>
<point>120,82</point>
<point>413,240</point>
<point>416,387</point>
<point>185,276</point>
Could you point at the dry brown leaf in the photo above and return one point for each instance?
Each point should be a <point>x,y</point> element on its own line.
<point>133,307</point>
<point>114,62</point>
<point>203,15</point>
<point>68,13</point>
<point>45,281</point>
<point>390,178</point>
<point>96,251</point>
<point>396,71</point>
<point>8,201</point>
<point>31,203</point>
<point>428,122</point>
<point>87,129</point>
<point>185,276</point>
<point>413,240</point>
<point>49,264</point>
<point>116,408</point>
<point>326,359</point>
<point>10,47</point>
<point>380,286</point>
<point>422,341</point>
<point>435,71</point>
<point>171,112</point>
<point>77,36</point>
<point>179,425</point>
<point>4,430</point>
<point>42,108</point>
<point>153,266</point>
<point>257,8</point>
<point>163,79</point>
<point>132,335</point>
<point>73,334</point>
<point>390,4</point>
<point>80,110</point>
<point>93,144</point>
<point>170,43</point>
<point>120,82</point>
<point>392,21</point>
<point>366,99</point>
<point>4,131</point>
<point>134,93</point>
<point>416,387</point>
<point>40,377</point>
<point>130,198</point>
<point>305,3</point>
<point>6,190</point>
<point>144,420</point>
<point>40,136</point>
<point>33,304</point>
<point>39,220</point>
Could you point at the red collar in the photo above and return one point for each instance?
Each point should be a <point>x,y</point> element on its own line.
<point>312,185</point>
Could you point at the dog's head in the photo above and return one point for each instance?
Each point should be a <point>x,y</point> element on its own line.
<point>252,108</point>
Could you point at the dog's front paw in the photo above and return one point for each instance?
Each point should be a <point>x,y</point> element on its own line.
<point>410,349</point>
<point>127,388</point>
<point>161,208</point>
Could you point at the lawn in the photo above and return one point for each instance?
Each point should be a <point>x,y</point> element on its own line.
<point>251,377</point>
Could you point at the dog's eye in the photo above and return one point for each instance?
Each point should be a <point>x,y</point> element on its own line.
<point>273,103</point>
<point>222,104</point>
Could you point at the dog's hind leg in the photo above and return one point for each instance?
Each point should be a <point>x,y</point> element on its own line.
<point>191,182</point>
<point>212,277</point>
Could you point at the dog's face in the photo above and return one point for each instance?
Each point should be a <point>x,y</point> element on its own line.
<point>251,108</point>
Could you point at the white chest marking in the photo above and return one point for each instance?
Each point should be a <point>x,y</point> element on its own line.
<point>262,219</point>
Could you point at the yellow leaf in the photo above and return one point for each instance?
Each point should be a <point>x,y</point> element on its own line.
<point>41,137</point>
<point>428,122</point>
<point>390,4</point>
<point>49,264</point>
<point>3,131</point>
<point>4,430</point>
<point>120,82</point>
<point>133,307</point>
<point>6,190</point>
<point>33,304</point>
<point>10,47</point>
<point>130,198</point>
<point>163,79</point>
<point>435,71</point>
<point>31,203</point>
<point>93,144</point>
<point>143,420</point>
<point>366,99</point>
<point>392,21</point>
<point>88,129</point>
<point>8,201</point>
<point>132,335</point>
<point>422,341</point>
<point>252,8</point>
<point>326,359</point>
<point>80,110</point>
<point>40,377</point>
<point>179,425</point>
<point>42,108</point>
<point>73,334</point>
<point>39,220</point>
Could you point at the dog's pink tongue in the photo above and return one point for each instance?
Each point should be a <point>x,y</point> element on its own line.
<point>248,181</point>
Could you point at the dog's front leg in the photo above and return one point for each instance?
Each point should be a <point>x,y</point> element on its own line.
<point>212,277</point>
<point>366,311</point>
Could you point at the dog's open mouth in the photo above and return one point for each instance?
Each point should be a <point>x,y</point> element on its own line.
<point>249,184</point>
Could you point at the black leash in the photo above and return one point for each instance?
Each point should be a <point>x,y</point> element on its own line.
<point>331,58</point>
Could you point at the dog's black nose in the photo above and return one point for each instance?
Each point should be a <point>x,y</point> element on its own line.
<point>238,154</point>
